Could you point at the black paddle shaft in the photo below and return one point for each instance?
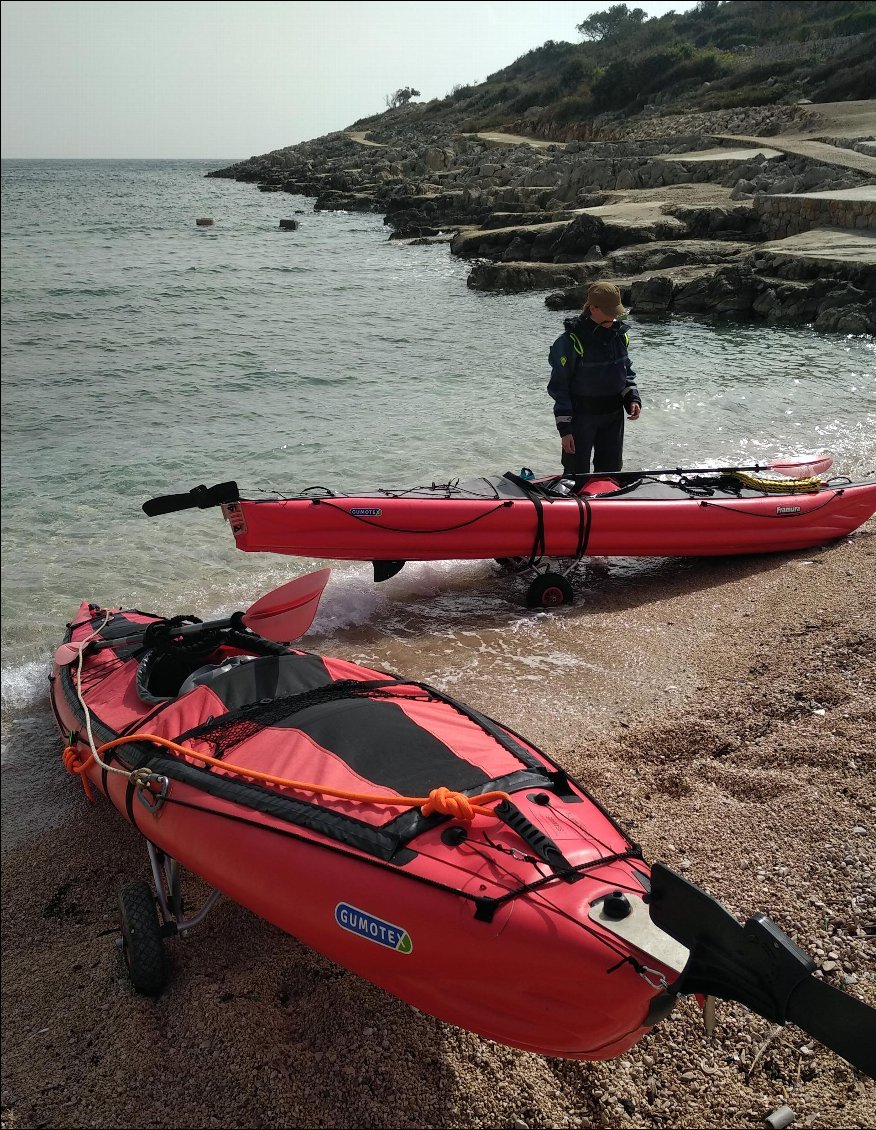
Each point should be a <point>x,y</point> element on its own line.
<point>152,634</point>
<point>760,967</point>
<point>678,471</point>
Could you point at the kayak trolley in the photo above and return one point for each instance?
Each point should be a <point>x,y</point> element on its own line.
<point>145,920</point>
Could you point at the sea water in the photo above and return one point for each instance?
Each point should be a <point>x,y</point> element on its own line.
<point>144,354</point>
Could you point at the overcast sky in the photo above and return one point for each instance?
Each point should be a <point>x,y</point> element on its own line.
<point>236,79</point>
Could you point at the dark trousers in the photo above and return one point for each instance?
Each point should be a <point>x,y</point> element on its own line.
<point>600,436</point>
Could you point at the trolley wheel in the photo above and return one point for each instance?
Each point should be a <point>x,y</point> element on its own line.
<point>549,590</point>
<point>142,946</point>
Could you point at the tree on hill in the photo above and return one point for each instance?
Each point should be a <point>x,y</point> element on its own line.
<point>401,97</point>
<point>614,21</point>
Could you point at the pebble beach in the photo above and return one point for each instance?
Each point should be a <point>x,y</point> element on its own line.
<point>731,732</point>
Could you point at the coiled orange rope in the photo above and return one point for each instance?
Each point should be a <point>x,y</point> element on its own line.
<point>440,800</point>
<point>74,763</point>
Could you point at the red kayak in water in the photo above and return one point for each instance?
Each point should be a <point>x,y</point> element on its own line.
<point>406,836</point>
<point>510,517</point>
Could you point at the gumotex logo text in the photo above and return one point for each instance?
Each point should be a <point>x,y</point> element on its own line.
<point>366,511</point>
<point>374,929</point>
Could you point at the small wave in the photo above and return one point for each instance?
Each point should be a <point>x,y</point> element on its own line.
<point>24,686</point>
<point>285,270</point>
<point>429,598</point>
<point>351,600</point>
<point>85,291</point>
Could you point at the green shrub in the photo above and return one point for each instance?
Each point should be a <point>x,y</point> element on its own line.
<point>487,98</point>
<point>703,67</point>
<point>853,23</point>
<point>522,102</point>
<point>760,72</point>
<point>574,73</point>
<point>624,83</point>
<point>460,92</point>
<point>744,96</point>
<point>736,33</point>
<point>578,109</point>
<point>860,51</point>
<point>544,60</point>
<point>553,92</point>
<point>848,82</point>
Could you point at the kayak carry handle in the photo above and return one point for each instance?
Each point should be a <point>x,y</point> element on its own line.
<point>543,846</point>
<point>200,497</point>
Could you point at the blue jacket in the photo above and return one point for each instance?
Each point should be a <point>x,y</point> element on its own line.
<point>590,370</point>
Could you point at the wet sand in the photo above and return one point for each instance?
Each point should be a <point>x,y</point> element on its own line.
<point>721,710</point>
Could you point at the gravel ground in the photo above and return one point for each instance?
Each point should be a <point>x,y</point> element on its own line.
<point>755,776</point>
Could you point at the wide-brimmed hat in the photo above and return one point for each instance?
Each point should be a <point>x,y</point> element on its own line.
<point>606,296</point>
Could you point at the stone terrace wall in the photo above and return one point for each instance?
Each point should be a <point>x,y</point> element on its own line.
<point>781,216</point>
<point>778,52</point>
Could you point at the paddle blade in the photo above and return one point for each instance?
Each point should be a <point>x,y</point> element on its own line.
<point>67,653</point>
<point>802,466</point>
<point>287,612</point>
<point>201,497</point>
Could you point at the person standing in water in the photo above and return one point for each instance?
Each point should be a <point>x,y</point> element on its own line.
<point>592,383</point>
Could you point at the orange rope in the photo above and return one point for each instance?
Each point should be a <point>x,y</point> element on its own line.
<point>441,800</point>
<point>73,763</point>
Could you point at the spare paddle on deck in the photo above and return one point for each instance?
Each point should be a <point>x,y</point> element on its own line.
<point>281,616</point>
<point>800,466</point>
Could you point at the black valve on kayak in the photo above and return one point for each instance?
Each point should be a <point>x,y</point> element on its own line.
<point>543,846</point>
<point>200,497</point>
<point>617,906</point>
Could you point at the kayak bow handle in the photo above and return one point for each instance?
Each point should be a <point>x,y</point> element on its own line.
<point>200,497</point>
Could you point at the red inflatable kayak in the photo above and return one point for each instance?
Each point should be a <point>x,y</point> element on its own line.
<point>399,832</point>
<point>640,514</point>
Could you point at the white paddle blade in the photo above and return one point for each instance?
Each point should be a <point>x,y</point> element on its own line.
<point>802,466</point>
<point>287,612</point>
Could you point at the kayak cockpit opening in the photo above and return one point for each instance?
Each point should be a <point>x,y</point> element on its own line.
<point>565,486</point>
<point>169,671</point>
<point>163,675</point>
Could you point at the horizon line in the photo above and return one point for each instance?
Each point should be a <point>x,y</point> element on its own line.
<point>7,157</point>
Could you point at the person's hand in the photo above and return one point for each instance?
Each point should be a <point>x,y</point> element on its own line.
<point>568,443</point>
<point>635,411</point>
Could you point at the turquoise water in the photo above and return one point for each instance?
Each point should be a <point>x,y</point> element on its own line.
<point>143,355</point>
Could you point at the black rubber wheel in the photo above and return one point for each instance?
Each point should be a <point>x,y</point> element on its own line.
<point>142,944</point>
<point>549,590</point>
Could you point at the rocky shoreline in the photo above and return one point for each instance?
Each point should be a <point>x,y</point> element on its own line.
<point>689,213</point>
